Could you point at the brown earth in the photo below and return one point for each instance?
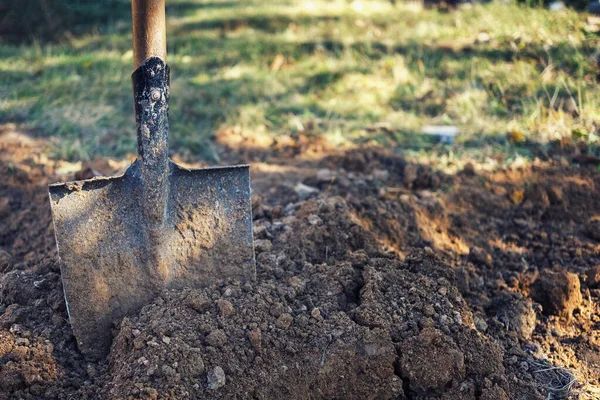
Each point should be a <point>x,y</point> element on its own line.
<point>377,279</point>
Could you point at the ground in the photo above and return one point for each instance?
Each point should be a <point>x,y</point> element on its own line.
<point>379,278</point>
<point>391,265</point>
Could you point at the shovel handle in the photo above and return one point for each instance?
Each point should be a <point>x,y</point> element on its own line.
<point>149,32</point>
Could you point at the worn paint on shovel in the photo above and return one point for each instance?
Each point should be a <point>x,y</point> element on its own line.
<point>124,239</point>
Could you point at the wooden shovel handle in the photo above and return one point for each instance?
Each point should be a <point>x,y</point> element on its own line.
<point>149,32</point>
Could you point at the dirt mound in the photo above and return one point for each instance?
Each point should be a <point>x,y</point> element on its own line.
<point>377,278</point>
<point>358,328</point>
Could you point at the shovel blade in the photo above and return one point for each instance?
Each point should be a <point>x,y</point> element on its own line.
<point>114,260</point>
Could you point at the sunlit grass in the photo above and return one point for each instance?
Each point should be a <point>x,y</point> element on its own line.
<point>338,67</point>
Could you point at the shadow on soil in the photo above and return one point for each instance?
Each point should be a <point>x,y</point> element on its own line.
<point>491,243</point>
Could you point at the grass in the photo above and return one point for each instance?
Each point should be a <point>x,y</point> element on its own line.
<point>330,68</point>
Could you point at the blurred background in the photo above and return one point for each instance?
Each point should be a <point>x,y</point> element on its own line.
<point>494,81</point>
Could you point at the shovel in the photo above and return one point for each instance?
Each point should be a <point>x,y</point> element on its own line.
<point>124,239</point>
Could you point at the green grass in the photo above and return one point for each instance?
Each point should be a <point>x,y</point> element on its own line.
<point>348,67</point>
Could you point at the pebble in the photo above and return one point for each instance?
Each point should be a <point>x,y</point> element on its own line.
<point>225,308</point>
<point>314,219</point>
<point>255,337</point>
<point>216,378</point>
<point>199,303</point>
<point>138,343</point>
<point>325,175</point>
<point>316,314</point>
<point>457,317</point>
<point>304,191</point>
<point>16,329</point>
<point>380,175</point>
<point>216,338</point>
<point>142,361</point>
<point>426,322</point>
<point>480,324</point>
<point>284,321</point>
<point>428,310</point>
<point>166,339</point>
<point>168,370</point>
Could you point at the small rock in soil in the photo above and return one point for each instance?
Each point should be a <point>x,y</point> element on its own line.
<point>199,303</point>
<point>225,308</point>
<point>316,314</point>
<point>192,365</point>
<point>149,393</point>
<point>284,321</point>
<point>10,316</point>
<point>558,292</point>
<point>216,378</point>
<point>255,338</point>
<point>313,219</point>
<point>428,310</point>
<point>216,338</point>
<point>304,191</point>
<point>325,175</point>
<point>480,324</point>
<point>380,175</point>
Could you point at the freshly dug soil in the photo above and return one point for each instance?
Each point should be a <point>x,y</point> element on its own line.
<point>377,279</point>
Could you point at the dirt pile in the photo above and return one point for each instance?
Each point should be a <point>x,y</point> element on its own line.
<point>377,278</point>
<point>362,326</point>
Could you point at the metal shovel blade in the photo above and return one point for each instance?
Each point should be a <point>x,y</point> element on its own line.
<point>114,261</point>
<point>123,239</point>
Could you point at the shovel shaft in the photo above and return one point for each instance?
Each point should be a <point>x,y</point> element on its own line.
<point>151,96</point>
<point>149,33</point>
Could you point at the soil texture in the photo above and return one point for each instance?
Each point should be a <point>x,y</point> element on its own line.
<point>377,279</point>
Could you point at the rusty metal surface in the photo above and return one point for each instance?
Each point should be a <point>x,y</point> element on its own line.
<point>123,239</point>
